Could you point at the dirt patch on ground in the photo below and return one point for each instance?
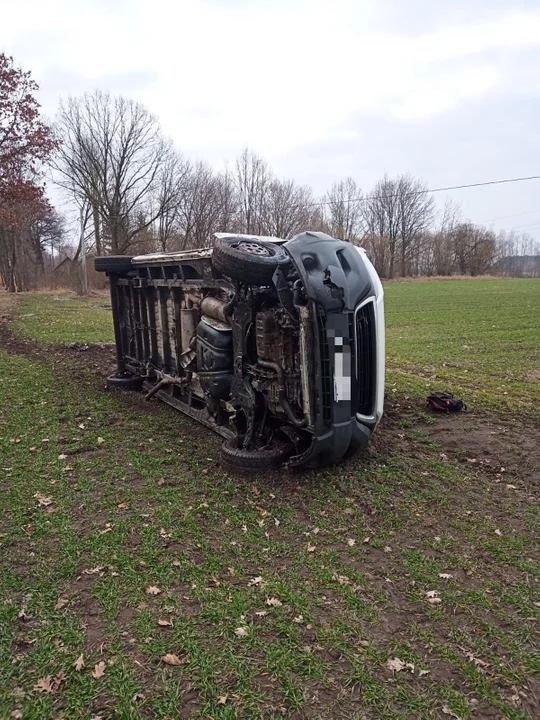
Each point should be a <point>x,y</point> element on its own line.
<point>501,447</point>
<point>98,357</point>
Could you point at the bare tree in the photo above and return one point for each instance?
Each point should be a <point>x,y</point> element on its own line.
<point>287,208</point>
<point>252,179</point>
<point>227,199</point>
<point>113,154</point>
<point>437,246</point>
<point>475,248</point>
<point>172,187</point>
<point>382,217</point>
<point>401,211</point>
<point>415,210</point>
<point>204,205</point>
<point>378,249</point>
<point>344,210</point>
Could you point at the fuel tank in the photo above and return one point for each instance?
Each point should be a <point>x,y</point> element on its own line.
<point>215,357</point>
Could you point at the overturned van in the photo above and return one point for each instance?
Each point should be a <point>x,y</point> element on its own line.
<point>277,345</point>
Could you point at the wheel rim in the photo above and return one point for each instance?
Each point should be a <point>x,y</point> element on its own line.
<point>255,248</point>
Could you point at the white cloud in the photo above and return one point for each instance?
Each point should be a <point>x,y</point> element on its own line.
<point>275,75</point>
<point>437,95</point>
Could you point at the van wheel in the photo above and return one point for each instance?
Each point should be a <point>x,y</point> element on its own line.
<point>254,461</point>
<point>251,260</point>
<point>125,381</point>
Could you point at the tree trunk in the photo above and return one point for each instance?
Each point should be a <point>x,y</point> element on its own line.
<point>76,256</point>
<point>97,230</point>
<point>392,259</point>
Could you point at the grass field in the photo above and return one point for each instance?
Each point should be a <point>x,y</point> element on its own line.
<point>401,584</point>
<point>480,338</point>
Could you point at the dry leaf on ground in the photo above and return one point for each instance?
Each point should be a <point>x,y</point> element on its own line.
<point>42,499</point>
<point>99,670</point>
<point>61,602</point>
<point>164,623</point>
<point>395,664</point>
<point>79,663</point>
<point>445,576</point>
<point>222,699</point>
<point>273,602</point>
<point>241,632</point>
<point>44,685</point>
<point>92,571</point>
<point>448,711</point>
<point>311,548</point>
<point>255,581</point>
<point>153,590</point>
<point>50,684</point>
<point>172,659</point>
<point>476,661</point>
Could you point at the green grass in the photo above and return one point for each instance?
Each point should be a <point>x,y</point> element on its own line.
<point>63,317</point>
<point>140,500</point>
<point>477,338</point>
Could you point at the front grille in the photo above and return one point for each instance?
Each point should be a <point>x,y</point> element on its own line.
<point>365,359</point>
<point>327,381</point>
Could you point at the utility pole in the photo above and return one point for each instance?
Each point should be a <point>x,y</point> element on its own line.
<point>83,254</point>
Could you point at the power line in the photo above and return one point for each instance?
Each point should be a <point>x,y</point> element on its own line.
<point>517,227</point>
<point>413,193</point>
<point>505,217</point>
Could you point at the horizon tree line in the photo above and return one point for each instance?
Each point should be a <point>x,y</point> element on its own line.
<point>135,193</point>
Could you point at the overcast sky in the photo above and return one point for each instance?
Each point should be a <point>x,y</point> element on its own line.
<point>448,91</point>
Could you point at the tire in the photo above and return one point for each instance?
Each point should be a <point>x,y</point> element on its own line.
<point>113,264</point>
<point>254,461</point>
<point>253,261</point>
<point>125,381</point>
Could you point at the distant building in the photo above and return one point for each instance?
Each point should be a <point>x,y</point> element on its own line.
<point>65,265</point>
